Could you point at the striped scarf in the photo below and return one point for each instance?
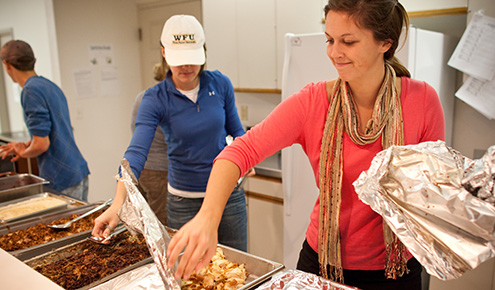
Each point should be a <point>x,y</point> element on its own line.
<point>386,121</point>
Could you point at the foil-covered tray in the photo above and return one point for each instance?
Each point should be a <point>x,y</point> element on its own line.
<point>33,251</point>
<point>79,247</point>
<point>63,202</point>
<point>20,185</point>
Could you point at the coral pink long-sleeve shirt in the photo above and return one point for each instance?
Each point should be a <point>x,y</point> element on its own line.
<point>301,119</point>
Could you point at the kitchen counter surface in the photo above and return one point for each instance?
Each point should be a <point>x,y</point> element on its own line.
<point>270,167</point>
<point>14,137</point>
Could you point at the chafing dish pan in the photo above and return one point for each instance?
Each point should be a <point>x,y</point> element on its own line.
<point>259,269</point>
<point>81,247</point>
<point>27,253</point>
<point>63,203</point>
<point>20,185</point>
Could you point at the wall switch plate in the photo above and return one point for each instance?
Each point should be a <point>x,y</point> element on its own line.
<point>244,113</point>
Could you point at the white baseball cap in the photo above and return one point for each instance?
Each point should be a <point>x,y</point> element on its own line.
<point>183,38</point>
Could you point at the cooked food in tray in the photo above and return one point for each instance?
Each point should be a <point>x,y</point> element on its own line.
<point>87,262</point>
<point>41,233</point>
<point>219,274</point>
<point>29,206</point>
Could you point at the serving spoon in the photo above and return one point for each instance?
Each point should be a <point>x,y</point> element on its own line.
<point>67,224</point>
<point>103,241</point>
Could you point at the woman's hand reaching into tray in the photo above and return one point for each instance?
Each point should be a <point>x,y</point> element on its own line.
<point>198,240</point>
<point>107,221</point>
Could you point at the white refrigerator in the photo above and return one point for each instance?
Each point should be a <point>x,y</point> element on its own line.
<point>425,54</point>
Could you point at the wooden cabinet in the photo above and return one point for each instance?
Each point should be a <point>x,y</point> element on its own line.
<point>27,165</point>
<point>265,210</point>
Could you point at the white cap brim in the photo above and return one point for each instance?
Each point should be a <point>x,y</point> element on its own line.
<point>178,57</point>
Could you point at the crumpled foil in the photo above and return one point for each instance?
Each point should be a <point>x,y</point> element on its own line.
<point>145,278</point>
<point>138,216</point>
<point>295,279</point>
<point>419,190</point>
<point>479,176</point>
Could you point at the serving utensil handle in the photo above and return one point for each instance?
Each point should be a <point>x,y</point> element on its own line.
<point>93,210</point>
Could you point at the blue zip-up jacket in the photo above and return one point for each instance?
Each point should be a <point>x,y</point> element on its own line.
<point>195,132</point>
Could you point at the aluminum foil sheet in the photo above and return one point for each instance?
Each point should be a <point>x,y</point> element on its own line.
<point>479,176</point>
<point>295,279</point>
<point>138,216</point>
<point>145,277</point>
<point>419,192</point>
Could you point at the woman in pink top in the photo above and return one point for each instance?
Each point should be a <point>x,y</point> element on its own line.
<point>341,124</point>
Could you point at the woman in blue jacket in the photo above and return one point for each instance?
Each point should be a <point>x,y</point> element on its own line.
<point>196,110</point>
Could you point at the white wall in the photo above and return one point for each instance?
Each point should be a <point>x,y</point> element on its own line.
<point>19,17</point>
<point>60,32</point>
<point>101,123</point>
<point>32,21</point>
<point>424,5</point>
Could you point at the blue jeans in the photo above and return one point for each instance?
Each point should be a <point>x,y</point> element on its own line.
<point>232,231</point>
<point>79,191</point>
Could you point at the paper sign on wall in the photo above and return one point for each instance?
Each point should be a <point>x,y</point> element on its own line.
<point>475,56</point>
<point>480,95</point>
<point>109,81</point>
<point>84,82</point>
<point>101,54</point>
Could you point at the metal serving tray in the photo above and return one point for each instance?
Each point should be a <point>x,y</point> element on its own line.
<point>40,249</point>
<point>67,201</point>
<point>20,185</point>
<point>66,251</point>
<point>259,269</point>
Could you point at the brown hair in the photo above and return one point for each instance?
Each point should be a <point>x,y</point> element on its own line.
<point>160,70</point>
<point>385,18</point>
<point>19,54</point>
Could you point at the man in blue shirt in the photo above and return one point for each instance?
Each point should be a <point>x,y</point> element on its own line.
<point>46,114</point>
